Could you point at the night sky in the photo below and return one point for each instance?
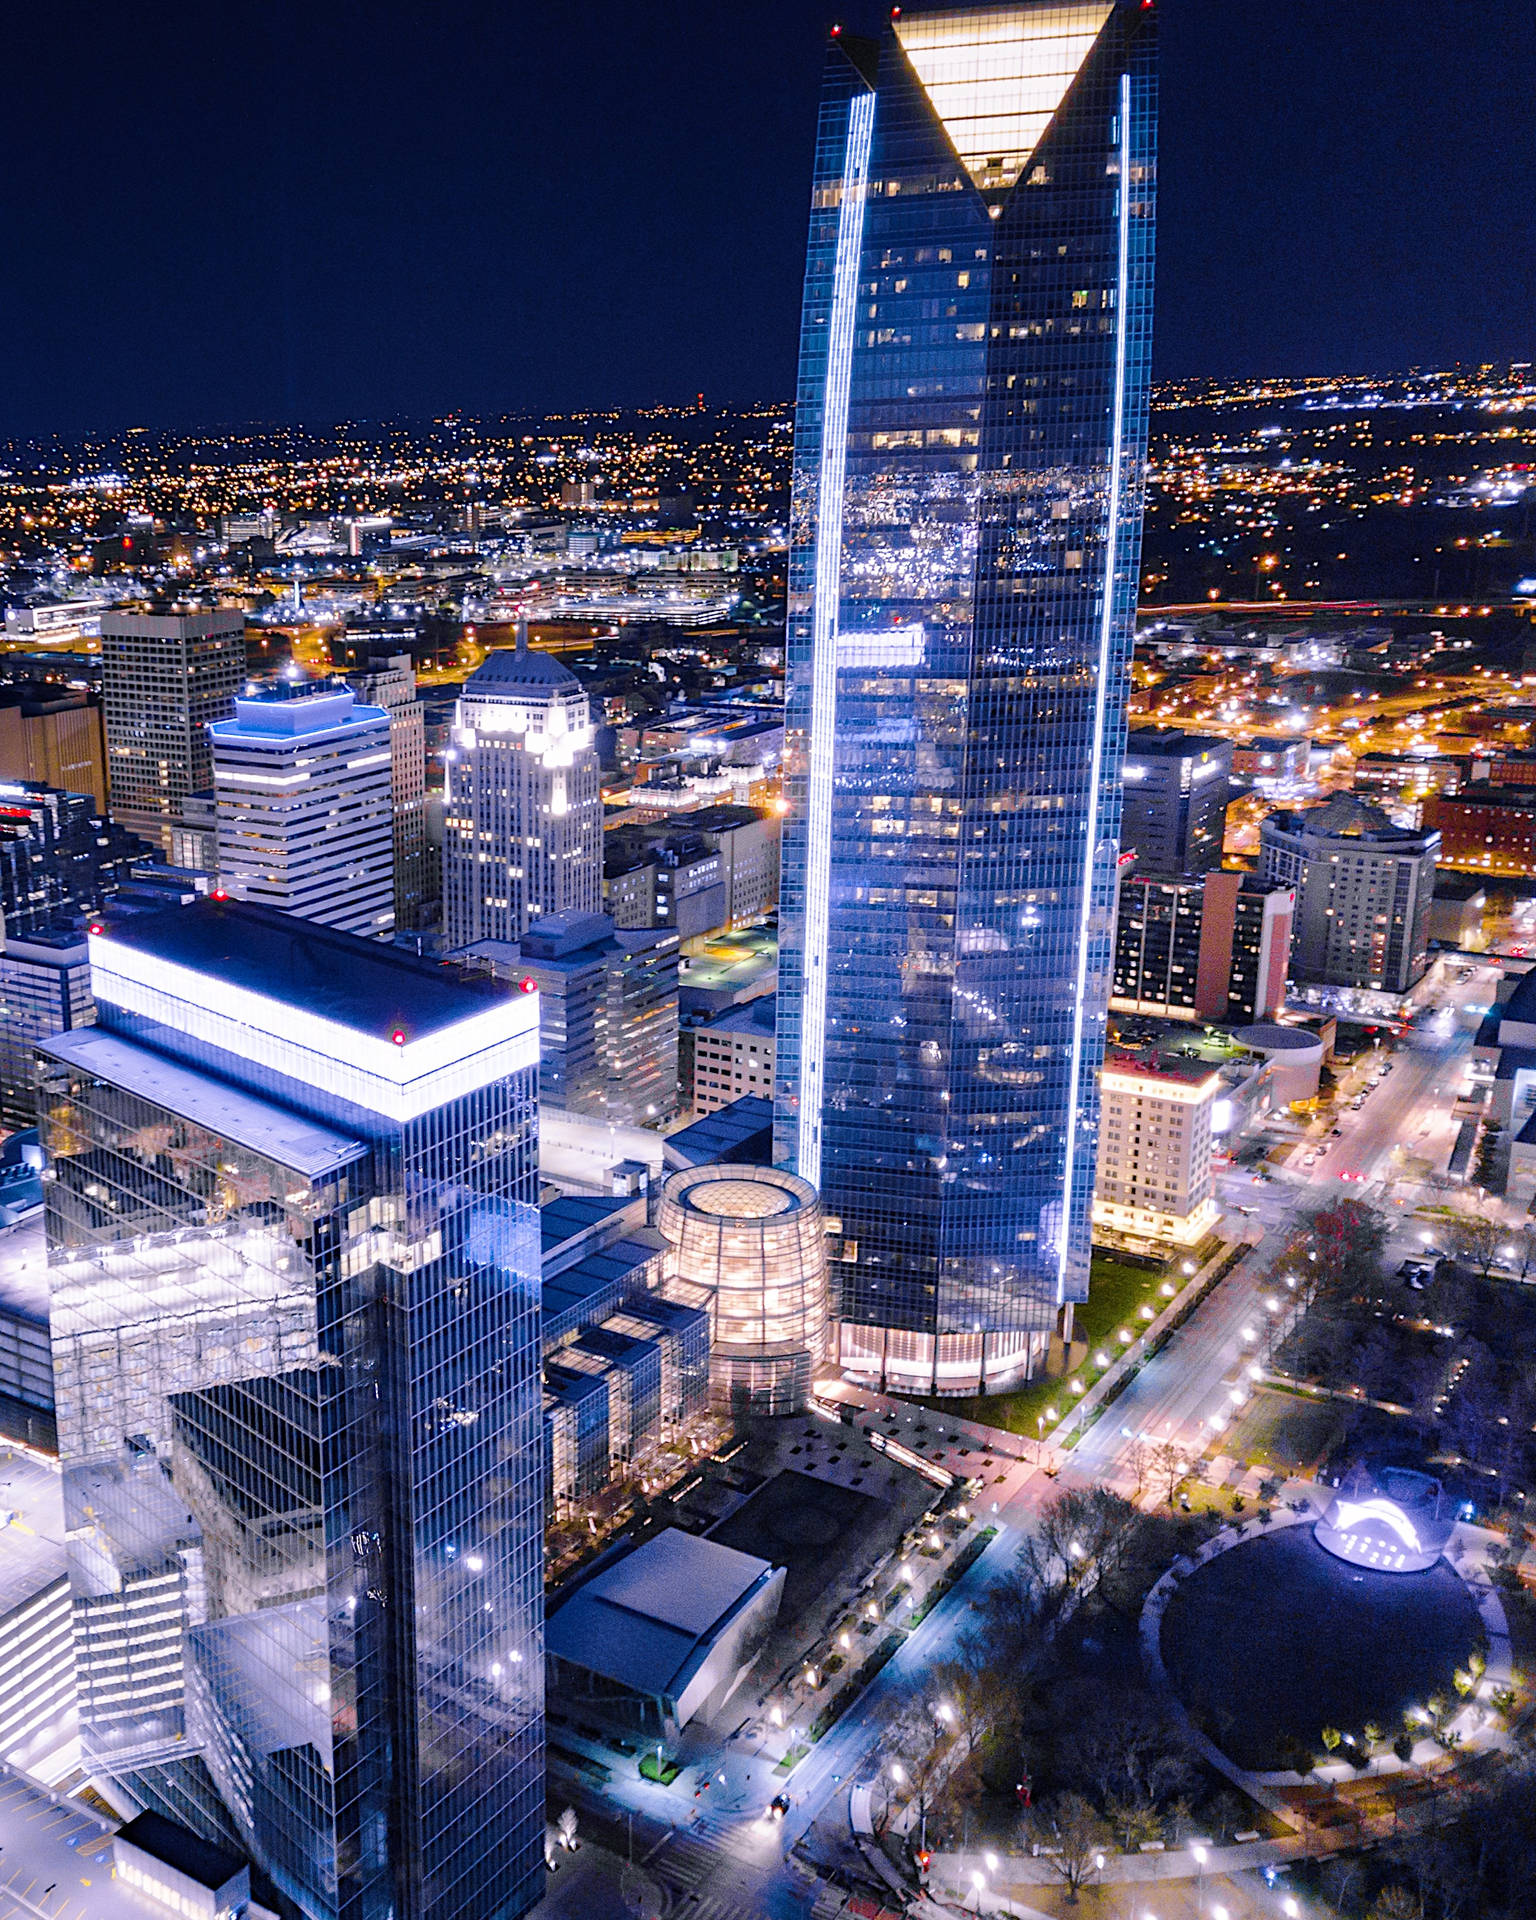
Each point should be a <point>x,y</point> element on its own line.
<point>314,209</point>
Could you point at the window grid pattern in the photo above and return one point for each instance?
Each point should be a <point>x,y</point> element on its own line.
<point>990,550</point>
<point>300,1428</point>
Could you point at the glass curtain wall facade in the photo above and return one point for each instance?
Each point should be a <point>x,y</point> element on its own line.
<point>966,518</point>
<point>753,1240</point>
<point>296,1342</point>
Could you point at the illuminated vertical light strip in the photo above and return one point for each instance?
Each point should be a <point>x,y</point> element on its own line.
<point>824,623</point>
<point>1106,636</point>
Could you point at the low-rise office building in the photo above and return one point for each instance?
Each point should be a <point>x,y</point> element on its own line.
<point>608,1040</point>
<point>733,1056</point>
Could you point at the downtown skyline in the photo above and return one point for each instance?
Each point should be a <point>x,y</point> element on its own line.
<point>769,1094</point>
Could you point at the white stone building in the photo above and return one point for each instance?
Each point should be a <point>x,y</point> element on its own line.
<point>1155,1176</point>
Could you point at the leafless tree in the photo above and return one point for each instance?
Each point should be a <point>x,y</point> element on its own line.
<point>1076,1838</point>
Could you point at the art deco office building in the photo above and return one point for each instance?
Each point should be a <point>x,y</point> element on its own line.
<point>523,824</point>
<point>294,1273</point>
<point>966,527</point>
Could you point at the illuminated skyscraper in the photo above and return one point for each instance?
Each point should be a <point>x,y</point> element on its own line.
<point>523,823</point>
<point>966,528</point>
<point>294,1275</point>
<point>305,821</point>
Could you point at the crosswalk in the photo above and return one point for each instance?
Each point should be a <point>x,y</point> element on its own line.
<point>698,1866</point>
<point>714,1906</point>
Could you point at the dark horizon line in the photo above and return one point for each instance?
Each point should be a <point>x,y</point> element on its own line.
<point>453,416</point>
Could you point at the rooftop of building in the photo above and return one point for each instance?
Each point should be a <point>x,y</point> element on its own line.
<point>32,1550</point>
<point>24,1272</point>
<point>292,1140</point>
<point>721,818</point>
<point>648,1619</point>
<point>1343,817</point>
<point>1171,743</point>
<point>740,1134</point>
<point>509,670</point>
<point>1158,1063</point>
<point>1488,793</point>
<point>758,1017</point>
<point>600,1282</point>
<point>173,623</point>
<point>585,1217</point>
<point>737,1193</point>
<point>362,984</point>
<point>1268,1036</point>
<point>175,1846</point>
<point>289,709</point>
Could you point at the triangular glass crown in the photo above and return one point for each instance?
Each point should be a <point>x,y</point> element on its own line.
<point>996,75</point>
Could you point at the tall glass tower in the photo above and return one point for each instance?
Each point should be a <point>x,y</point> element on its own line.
<point>294,1274</point>
<point>967,503</point>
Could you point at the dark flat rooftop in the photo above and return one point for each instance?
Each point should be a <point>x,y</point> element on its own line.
<point>198,1859</point>
<point>363,984</point>
<point>1158,743</point>
<point>741,1132</point>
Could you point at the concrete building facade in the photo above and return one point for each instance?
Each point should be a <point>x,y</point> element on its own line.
<point>1155,1178</point>
<point>1363,892</point>
<point>733,1056</point>
<point>165,678</point>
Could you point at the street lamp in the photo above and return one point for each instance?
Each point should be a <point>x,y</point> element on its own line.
<point>1202,1854</point>
<point>978,1885</point>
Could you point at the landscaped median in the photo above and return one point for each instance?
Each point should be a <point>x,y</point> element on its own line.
<point>894,1641</point>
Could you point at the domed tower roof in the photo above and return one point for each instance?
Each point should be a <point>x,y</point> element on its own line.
<point>508,669</point>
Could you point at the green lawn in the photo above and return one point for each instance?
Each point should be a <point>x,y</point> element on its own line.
<point>663,1772</point>
<point>1286,1431</point>
<point>1116,1294</point>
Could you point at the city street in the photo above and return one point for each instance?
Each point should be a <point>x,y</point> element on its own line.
<point>729,1866</point>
